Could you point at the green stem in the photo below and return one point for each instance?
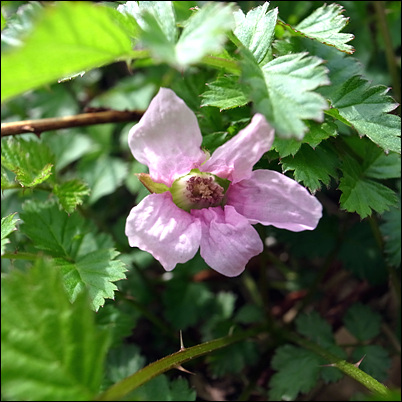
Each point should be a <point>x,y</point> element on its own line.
<point>119,390</point>
<point>348,368</point>
<point>20,256</point>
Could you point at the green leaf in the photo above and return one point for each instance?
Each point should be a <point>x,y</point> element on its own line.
<point>361,194</point>
<point>297,372</point>
<point>224,93</point>
<point>86,261</point>
<point>366,109</point>
<point>362,322</point>
<point>391,230</point>
<point>324,25</point>
<point>376,362</point>
<point>7,227</point>
<point>317,133</point>
<point>256,29</point>
<point>282,90</point>
<point>31,161</point>
<point>204,32</point>
<point>71,194</point>
<point>51,349</point>
<point>314,327</point>
<point>68,38</point>
<point>103,175</point>
<point>162,389</point>
<point>312,167</point>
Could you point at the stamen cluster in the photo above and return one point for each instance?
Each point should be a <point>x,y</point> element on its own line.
<point>204,192</point>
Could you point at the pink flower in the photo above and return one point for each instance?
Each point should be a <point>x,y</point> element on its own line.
<point>209,203</point>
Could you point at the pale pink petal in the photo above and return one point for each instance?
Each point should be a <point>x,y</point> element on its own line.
<point>167,138</point>
<point>235,159</point>
<point>271,198</point>
<point>228,240</point>
<point>158,226</point>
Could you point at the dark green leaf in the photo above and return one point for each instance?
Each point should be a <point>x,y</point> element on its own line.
<point>362,322</point>
<point>361,194</point>
<point>51,349</point>
<point>312,167</point>
<point>376,361</point>
<point>297,372</point>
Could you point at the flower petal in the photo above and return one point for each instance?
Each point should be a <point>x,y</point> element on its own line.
<point>235,159</point>
<point>167,138</point>
<point>271,198</point>
<point>228,240</point>
<point>158,226</point>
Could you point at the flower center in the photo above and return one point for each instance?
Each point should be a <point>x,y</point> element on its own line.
<point>198,190</point>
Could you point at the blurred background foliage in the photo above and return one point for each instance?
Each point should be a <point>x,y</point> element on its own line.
<point>340,272</point>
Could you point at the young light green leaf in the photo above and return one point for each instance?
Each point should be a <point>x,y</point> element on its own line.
<point>324,25</point>
<point>224,93</point>
<point>51,349</point>
<point>69,37</point>
<point>366,109</point>
<point>7,227</point>
<point>158,23</point>
<point>31,161</point>
<point>312,167</point>
<point>282,90</point>
<point>361,194</point>
<point>204,32</point>
<point>256,29</point>
<point>86,261</point>
<point>362,322</point>
<point>71,194</point>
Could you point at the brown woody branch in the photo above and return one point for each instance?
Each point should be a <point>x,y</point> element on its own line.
<point>56,123</point>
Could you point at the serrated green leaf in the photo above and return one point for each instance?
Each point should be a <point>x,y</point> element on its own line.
<point>299,365</point>
<point>367,109</point>
<point>282,90</point>
<point>314,327</point>
<point>71,193</point>
<point>317,133</point>
<point>391,230</point>
<point>362,322</point>
<point>324,25</point>
<point>361,194</point>
<point>312,167</point>
<point>376,360</point>
<point>103,175</point>
<point>86,261</point>
<point>51,349</point>
<point>224,93</point>
<point>31,161</point>
<point>7,227</point>
<point>69,37</point>
<point>256,29</point>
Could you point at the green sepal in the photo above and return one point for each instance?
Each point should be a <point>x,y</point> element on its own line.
<point>150,185</point>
